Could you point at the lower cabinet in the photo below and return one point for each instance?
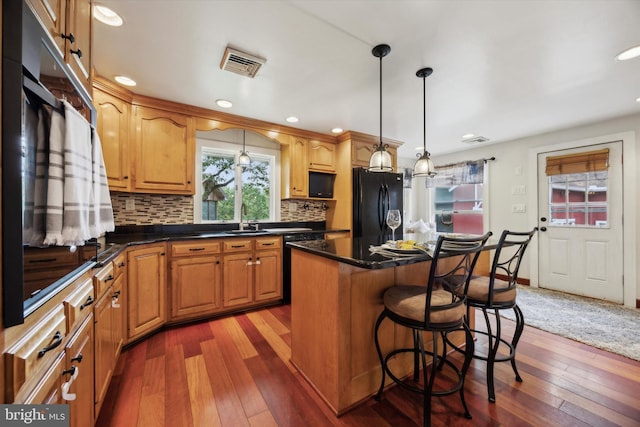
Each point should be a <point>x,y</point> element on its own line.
<point>252,271</point>
<point>49,388</point>
<point>196,286</point>
<point>78,375</point>
<point>146,283</point>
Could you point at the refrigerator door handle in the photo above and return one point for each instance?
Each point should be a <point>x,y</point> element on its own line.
<point>381,211</point>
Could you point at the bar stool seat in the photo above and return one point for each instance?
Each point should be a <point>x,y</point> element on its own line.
<point>435,308</point>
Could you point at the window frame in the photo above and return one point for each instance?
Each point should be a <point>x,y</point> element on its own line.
<point>272,155</point>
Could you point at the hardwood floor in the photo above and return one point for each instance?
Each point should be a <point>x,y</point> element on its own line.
<point>235,371</point>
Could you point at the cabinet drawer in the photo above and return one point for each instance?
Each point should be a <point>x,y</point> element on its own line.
<point>238,245</point>
<point>268,243</point>
<point>119,264</point>
<point>34,351</point>
<point>48,258</point>
<point>202,247</point>
<point>48,390</point>
<point>79,303</point>
<point>103,279</point>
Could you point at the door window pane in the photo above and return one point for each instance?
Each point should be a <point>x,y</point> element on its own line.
<point>578,199</point>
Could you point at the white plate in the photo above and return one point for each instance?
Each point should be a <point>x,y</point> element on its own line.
<point>392,247</point>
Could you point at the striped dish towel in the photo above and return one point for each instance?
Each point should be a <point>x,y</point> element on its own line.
<point>101,212</point>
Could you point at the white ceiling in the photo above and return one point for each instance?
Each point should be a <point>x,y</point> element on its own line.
<point>502,69</point>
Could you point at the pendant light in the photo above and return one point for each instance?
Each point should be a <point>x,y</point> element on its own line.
<point>380,160</point>
<point>424,165</point>
<point>244,160</point>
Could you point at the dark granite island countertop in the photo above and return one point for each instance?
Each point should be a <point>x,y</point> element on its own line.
<point>355,251</point>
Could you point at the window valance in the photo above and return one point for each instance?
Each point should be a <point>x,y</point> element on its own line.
<point>467,172</point>
<point>590,161</point>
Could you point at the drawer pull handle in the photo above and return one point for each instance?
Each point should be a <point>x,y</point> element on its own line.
<point>268,244</point>
<point>122,264</point>
<point>76,52</point>
<point>69,37</point>
<point>87,303</point>
<point>237,246</point>
<point>57,340</point>
<point>109,278</point>
<point>71,371</point>
<point>78,358</point>
<point>196,249</point>
<point>43,260</point>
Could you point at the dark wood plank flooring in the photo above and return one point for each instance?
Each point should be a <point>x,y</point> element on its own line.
<point>235,371</point>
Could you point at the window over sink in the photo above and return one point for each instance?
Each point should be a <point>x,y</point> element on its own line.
<point>224,186</point>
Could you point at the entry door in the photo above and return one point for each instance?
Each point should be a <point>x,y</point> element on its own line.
<point>580,250</point>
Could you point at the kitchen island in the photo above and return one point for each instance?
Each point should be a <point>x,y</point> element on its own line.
<point>336,297</point>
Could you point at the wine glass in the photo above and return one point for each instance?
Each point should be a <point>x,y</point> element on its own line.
<point>393,221</point>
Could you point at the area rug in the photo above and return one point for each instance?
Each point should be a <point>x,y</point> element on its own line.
<point>597,323</point>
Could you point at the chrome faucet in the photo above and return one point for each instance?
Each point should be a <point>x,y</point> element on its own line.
<point>243,213</point>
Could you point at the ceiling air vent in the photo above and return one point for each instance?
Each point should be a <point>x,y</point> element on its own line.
<point>475,140</point>
<point>241,63</point>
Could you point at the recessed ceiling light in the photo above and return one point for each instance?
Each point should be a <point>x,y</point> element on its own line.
<point>106,16</point>
<point>124,80</point>
<point>224,103</point>
<point>292,119</point>
<point>629,54</point>
<point>468,135</point>
<point>336,130</point>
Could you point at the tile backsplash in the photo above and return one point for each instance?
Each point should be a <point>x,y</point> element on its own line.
<point>146,209</point>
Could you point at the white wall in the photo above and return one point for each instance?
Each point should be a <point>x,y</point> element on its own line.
<point>514,166</point>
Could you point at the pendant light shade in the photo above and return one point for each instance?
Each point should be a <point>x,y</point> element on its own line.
<point>244,160</point>
<point>380,160</point>
<point>424,165</point>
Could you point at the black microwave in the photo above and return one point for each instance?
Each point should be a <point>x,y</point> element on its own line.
<point>321,185</point>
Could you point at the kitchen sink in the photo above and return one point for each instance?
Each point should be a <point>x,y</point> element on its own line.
<point>246,232</point>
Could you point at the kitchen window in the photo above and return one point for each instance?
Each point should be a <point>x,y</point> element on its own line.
<point>224,187</point>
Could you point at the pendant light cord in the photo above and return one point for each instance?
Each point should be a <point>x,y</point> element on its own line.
<point>424,111</point>
<point>381,101</point>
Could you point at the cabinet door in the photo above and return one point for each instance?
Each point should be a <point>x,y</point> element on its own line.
<point>322,156</point>
<point>268,275</point>
<point>103,349</point>
<point>238,279</point>
<point>361,153</point>
<point>52,14</point>
<point>118,308</point>
<point>196,287</point>
<point>146,289</point>
<point>79,355</point>
<point>165,146</point>
<point>78,52</point>
<point>113,128</point>
<point>299,170</point>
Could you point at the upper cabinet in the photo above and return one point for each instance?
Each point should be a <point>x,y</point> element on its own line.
<point>295,172</point>
<point>113,123</point>
<point>70,25</point>
<point>322,156</point>
<point>165,151</point>
<point>363,146</point>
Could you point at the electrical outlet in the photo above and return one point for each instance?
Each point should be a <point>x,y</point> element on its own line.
<point>130,204</point>
<point>293,207</point>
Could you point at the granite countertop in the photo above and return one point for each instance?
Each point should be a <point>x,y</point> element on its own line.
<point>355,251</point>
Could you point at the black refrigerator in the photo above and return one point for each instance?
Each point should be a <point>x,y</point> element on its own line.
<point>374,193</point>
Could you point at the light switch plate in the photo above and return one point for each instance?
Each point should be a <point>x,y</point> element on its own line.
<point>130,204</point>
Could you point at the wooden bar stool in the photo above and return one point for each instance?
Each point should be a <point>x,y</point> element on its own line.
<point>437,308</point>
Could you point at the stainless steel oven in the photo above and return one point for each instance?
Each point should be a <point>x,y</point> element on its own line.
<point>286,258</point>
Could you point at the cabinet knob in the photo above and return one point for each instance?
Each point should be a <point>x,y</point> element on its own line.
<point>69,37</point>
<point>126,177</point>
<point>76,52</point>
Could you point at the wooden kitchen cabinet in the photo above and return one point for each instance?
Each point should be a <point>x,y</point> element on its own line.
<point>77,51</point>
<point>361,152</point>
<point>146,289</point>
<point>113,123</point>
<point>322,156</point>
<point>70,25</point>
<point>253,271</point>
<point>79,362</point>
<point>164,152</point>
<point>49,388</point>
<point>295,169</point>
<point>196,279</point>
